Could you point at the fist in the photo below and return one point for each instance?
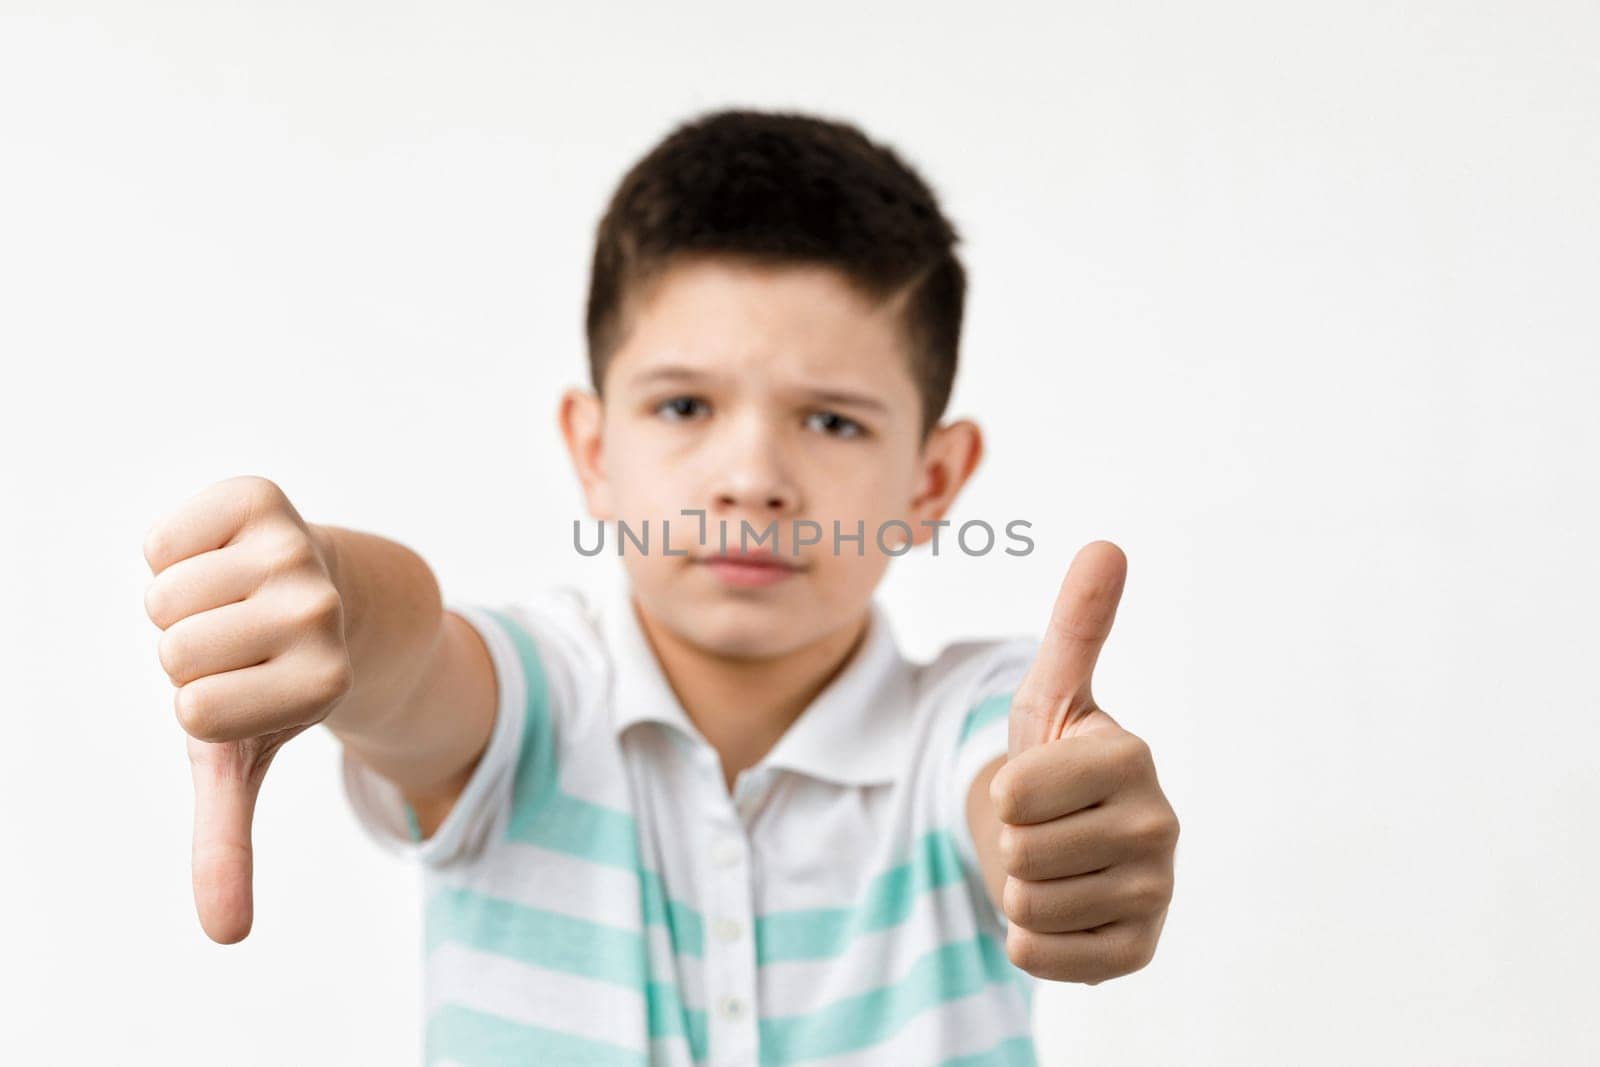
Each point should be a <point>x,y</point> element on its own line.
<point>252,636</point>
<point>1087,836</point>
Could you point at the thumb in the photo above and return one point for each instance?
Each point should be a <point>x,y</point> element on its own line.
<point>1056,693</point>
<point>227,778</point>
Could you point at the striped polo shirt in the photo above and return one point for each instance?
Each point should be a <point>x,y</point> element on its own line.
<point>597,895</point>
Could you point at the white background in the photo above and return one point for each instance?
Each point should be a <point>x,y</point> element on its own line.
<point>1295,302</point>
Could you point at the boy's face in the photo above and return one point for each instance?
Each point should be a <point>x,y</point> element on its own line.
<point>767,394</point>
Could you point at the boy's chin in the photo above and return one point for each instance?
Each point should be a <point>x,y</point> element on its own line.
<point>739,627</point>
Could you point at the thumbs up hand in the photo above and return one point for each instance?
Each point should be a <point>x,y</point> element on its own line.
<point>1087,837</point>
<point>253,637</point>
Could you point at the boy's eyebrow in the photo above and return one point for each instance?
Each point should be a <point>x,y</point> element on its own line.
<point>847,399</point>
<point>843,397</point>
<point>668,373</point>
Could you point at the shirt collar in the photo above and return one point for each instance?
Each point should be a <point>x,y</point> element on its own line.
<point>855,732</point>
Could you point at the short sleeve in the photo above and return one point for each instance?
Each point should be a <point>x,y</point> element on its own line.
<point>980,735</point>
<point>531,647</point>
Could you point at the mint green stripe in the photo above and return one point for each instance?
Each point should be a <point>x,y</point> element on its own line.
<point>543,938</point>
<point>567,824</point>
<point>565,944</point>
<point>996,707</point>
<point>953,970</point>
<point>484,1040</point>
<point>535,775</point>
<point>587,831</point>
<point>686,929</point>
<point>821,933</point>
<point>1012,1052</point>
<point>670,1018</point>
<point>543,815</point>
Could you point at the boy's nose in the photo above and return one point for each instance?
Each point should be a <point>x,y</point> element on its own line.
<point>754,491</point>
<point>756,502</point>
<point>753,476</point>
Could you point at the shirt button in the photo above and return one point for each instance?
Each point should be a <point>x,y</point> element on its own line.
<point>728,929</point>
<point>731,1008</point>
<point>725,852</point>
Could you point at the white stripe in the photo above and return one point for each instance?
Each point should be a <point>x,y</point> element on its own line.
<point>983,745</point>
<point>671,1052</point>
<point>535,996</point>
<point>541,878</point>
<point>986,743</point>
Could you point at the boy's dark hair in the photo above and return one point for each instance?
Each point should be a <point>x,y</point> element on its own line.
<point>782,187</point>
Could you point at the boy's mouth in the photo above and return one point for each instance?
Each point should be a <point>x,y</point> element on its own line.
<point>750,568</point>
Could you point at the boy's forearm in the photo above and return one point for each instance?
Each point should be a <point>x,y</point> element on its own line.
<point>395,626</point>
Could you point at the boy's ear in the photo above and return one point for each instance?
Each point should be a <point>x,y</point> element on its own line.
<point>952,453</point>
<point>582,418</point>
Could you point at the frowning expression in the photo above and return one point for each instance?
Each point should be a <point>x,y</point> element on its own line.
<point>762,396</point>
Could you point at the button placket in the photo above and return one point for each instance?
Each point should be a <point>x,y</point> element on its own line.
<point>729,948</point>
<point>726,851</point>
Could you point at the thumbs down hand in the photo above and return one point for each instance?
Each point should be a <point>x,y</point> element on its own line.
<point>253,637</point>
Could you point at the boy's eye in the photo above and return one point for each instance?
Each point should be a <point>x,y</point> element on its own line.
<point>837,425</point>
<point>679,407</point>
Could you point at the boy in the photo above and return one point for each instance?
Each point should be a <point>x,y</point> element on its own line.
<point>716,817</point>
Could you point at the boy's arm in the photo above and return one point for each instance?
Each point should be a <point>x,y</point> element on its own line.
<point>1074,835</point>
<point>423,700</point>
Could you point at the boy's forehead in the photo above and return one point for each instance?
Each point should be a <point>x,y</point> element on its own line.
<point>724,318</point>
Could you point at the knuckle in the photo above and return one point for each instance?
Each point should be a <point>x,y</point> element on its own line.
<point>173,652</point>
<point>288,552</point>
<point>1013,848</point>
<point>1019,902</point>
<point>1028,694</point>
<point>1030,702</point>
<point>1023,949</point>
<point>319,608</point>
<point>158,604</point>
<point>334,680</point>
<point>1036,707</point>
<point>1149,895</point>
<point>1100,965</point>
<point>262,493</point>
<point>1155,832</point>
<point>1101,762</point>
<point>198,716</point>
<point>1126,956</point>
<point>1145,953</point>
<point>1133,754</point>
<point>1005,795</point>
<point>155,545</point>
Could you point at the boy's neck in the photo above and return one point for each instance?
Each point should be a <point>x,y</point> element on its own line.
<point>743,706</point>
